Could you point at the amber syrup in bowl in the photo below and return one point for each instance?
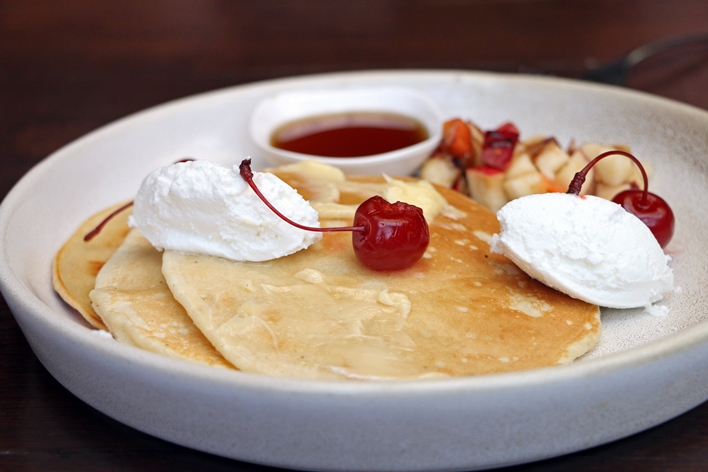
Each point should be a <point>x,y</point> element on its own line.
<point>353,134</point>
<point>370,131</point>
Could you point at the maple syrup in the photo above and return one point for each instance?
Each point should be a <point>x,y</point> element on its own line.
<point>353,134</point>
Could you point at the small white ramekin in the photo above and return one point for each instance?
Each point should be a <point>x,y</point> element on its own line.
<point>282,108</point>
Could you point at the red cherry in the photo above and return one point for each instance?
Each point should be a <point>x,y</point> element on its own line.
<point>652,210</point>
<point>385,236</point>
<point>498,147</point>
<point>395,235</point>
<point>648,207</point>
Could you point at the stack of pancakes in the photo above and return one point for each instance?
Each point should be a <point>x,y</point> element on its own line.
<point>319,313</point>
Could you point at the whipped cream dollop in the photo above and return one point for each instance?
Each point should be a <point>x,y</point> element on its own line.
<point>585,246</point>
<point>203,208</point>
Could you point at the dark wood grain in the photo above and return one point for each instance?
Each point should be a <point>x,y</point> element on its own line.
<point>68,67</point>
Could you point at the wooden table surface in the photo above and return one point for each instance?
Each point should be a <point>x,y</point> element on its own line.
<point>68,67</point>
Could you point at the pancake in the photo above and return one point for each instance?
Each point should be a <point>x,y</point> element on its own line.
<point>320,314</point>
<point>78,262</point>
<point>115,282</point>
<point>133,300</point>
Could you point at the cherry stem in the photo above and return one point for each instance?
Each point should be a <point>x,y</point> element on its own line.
<point>579,179</point>
<point>247,174</point>
<point>94,232</point>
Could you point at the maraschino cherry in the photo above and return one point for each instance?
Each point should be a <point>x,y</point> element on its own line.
<point>385,236</point>
<point>648,207</point>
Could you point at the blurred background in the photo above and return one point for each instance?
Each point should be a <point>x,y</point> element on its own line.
<point>68,67</point>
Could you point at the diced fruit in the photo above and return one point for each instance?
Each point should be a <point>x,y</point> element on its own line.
<point>551,158</point>
<point>508,128</point>
<point>534,144</point>
<point>460,184</point>
<point>477,143</point>
<point>622,147</point>
<point>457,139</point>
<point>499,146</point>
<point>571,147</point>
<point>575,164</point>
<point>486,186</point>
<point>526,184</point>
<point>608,192</point>
<point>591,150</point>
<point>636,177</point>
<point>613,170</point>
<point>440,170</point>
<point>520,164</point>
<point>498,167</point>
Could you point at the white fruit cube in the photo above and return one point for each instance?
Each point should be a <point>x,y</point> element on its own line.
<point>526,184</point>
<point>551,158</point>
<point>592,150</point>
<point>477,143</point>
<point>611,170</point>
<point>533,142</point>
<point>636,176</point>
<point>440,171</point>
<point>575,164</point>
<point>520,164</point>
<point>608,192</point>
<point>486,187</point>
<point>615,169</point>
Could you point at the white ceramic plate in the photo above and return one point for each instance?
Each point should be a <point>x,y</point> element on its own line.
<point>645,371</point>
